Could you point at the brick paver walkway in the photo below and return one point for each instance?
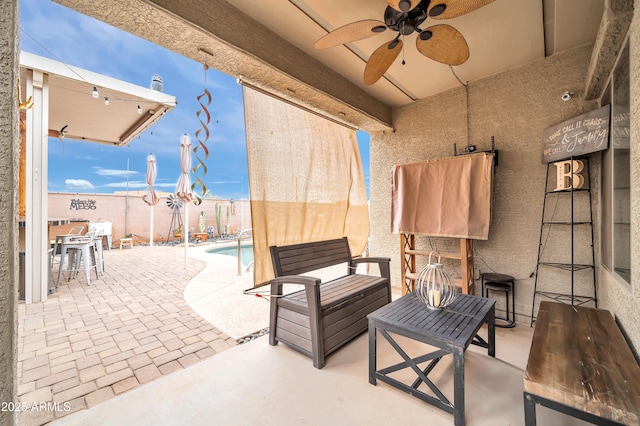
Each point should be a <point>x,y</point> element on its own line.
<point>87,344</point>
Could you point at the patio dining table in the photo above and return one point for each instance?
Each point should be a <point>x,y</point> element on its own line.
<point>450,331</point>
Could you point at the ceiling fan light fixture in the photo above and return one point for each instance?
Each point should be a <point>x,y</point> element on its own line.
<point>426,35</point>
<point>404,5</point>
<point>437,10</point>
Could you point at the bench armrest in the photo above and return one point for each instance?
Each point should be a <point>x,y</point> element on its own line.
<point>383,264</point>
<point>312,291</point>
<point>277,283</point>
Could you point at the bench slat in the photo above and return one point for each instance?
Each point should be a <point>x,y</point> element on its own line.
<point>580,358</point>
<point>334,292</point>
<point>301,258</point>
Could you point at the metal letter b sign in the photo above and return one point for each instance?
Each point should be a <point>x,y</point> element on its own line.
<point>568,174</point>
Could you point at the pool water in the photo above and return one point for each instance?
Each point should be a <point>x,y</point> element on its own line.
<point>246,252</point>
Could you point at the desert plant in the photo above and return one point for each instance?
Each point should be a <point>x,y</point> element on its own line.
<point>218,209</point>
<point>226,226</point>
<point>202,223</point>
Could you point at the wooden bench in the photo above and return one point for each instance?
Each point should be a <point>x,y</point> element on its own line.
<point>322,317</point>
<point>581,365</point>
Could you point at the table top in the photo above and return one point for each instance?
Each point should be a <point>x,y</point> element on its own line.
<point>490,276</point>
<point>456,324</point>
<point>22,221</point>
<point>580,358</point>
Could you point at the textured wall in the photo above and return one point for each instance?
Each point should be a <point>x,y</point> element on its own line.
<point>111,208</point>
<point>9,147</point>
<point>616,296</point>
<point>514,106</point>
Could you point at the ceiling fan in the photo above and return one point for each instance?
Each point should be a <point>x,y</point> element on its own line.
<point>442,42</point>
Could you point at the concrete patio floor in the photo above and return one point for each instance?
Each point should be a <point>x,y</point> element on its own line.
<point>137,346</point>
<point>88,343</point>
<point>259,384</point>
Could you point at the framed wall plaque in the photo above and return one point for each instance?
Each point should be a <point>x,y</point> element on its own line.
<point>578,136</point>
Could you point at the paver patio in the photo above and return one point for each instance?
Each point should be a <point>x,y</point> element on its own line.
<point>89,343</point>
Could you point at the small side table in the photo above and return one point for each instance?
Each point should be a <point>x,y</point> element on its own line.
<point>124,242</point>
<point>506,284</point>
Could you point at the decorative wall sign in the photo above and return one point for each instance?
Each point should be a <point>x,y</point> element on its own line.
<point>580,135</point>
<point>77,204</point>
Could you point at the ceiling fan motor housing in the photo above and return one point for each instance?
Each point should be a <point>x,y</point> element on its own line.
<point>406,22</point>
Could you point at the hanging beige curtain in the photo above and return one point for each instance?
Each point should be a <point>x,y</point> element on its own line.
<point>447,197</point>
<point>305,177</point>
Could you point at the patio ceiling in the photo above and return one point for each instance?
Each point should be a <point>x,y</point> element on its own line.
<point>269,44</point>
<point>502,35</point>
<point>83,117</point>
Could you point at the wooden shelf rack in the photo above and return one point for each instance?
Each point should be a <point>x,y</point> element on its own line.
<point>408,253</point>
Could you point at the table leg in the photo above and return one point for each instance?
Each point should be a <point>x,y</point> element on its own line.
<point>86,261</point>
<point>491,331</point>
<point>529,410</point>
<point>372,352</point>
<point>458,386</point>
<point>63,253</point>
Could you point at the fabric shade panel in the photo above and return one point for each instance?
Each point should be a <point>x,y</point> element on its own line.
<point>306,179</point>
<point>448,197</point>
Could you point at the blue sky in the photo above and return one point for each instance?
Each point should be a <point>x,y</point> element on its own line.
<point>53,31</point>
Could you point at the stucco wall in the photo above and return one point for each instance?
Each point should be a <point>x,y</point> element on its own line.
<point>514,106</point>
<point>9,147</point>
<point>617,296</point>
<point>111,208</point>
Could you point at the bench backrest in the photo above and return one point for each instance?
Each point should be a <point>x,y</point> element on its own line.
<point>298,259</point>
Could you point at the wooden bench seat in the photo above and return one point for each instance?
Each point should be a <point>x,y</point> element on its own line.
<point>323,317</point>
<point>580,364</point>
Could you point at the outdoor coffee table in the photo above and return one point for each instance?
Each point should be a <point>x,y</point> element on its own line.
<point>450,331</point>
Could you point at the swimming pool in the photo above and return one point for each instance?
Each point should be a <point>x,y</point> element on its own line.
<point>246,252</point>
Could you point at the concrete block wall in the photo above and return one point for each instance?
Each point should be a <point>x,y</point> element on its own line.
<point>111,208</point>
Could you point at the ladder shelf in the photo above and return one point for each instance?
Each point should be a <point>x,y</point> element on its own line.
<point>577,228</point>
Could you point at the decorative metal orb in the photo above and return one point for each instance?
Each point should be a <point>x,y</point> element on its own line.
<point>434,286</point>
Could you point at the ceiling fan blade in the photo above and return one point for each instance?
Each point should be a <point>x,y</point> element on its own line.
<point>403,5</point>
<point>447,9</point>
<point>381,60</point>
<point>444,44</point>
<point>351,32</point>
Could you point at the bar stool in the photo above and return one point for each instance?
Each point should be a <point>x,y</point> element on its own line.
<point>505,284</point>
<point>98,242</point>
<point>80,250</point>
<point>74,232</point>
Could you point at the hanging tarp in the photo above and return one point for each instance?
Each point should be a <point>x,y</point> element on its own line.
<point>305,177</point>
<point>448,197</point>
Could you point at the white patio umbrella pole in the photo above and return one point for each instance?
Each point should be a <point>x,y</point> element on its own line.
<point>183,189</point>
<point>186,233</point>
<point>151,198</point>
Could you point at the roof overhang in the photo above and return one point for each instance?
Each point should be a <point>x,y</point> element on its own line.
<point>72,106</point>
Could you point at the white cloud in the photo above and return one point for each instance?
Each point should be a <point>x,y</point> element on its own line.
<point>111,172</point>
<point>78,183</point>
<point>166,185</point>
<point>132,185</point>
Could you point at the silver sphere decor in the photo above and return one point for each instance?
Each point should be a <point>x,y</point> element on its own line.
<point>435,288</point>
